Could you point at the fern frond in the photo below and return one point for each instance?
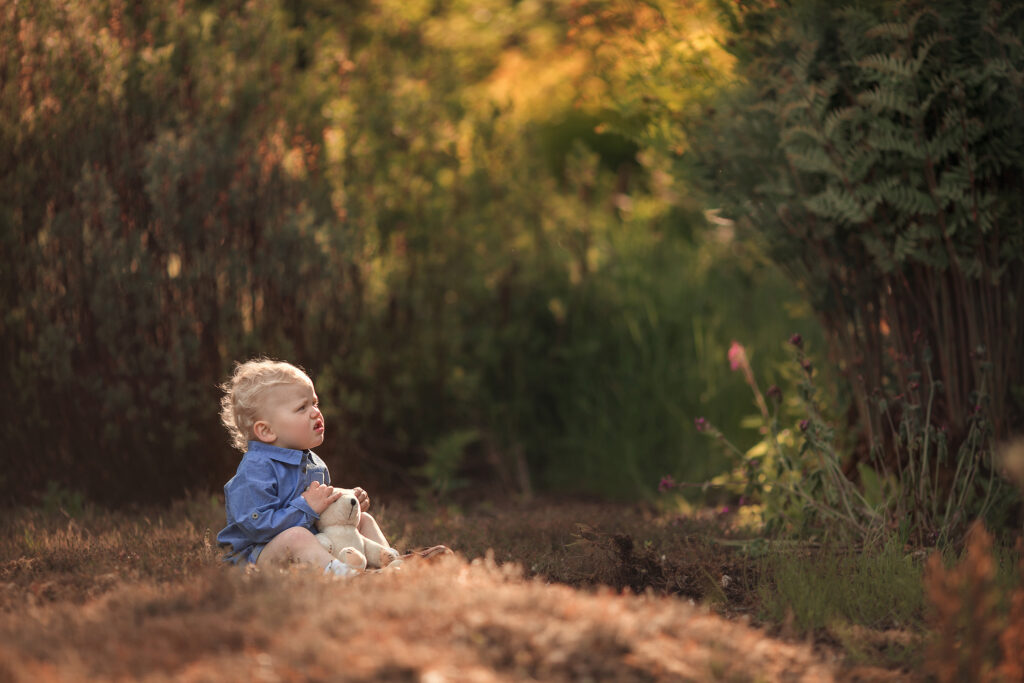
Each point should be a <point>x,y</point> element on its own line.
<point>886,137</point>
<point>887,64</point>
<point>926,47</point>
<point>890,30</point>
<point>794,133</point>
<point>837,117</point>
<point>835,203</point>
<point>860,163</point>
<point>813,160</point>
<point>887,99</point>
<point>908,200</point>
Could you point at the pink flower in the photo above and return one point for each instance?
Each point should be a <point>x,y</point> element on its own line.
<point>737,356</point>
<point>796,340</point>
<point>667,483</point>
<point>700,423</point>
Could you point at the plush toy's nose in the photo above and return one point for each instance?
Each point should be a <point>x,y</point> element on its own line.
<point>353,501</point>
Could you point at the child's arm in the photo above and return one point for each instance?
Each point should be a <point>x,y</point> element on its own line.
<point>319,497</point>
<point>256,507</point>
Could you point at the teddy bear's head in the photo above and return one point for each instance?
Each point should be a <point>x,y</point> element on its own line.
<point>342,512</point>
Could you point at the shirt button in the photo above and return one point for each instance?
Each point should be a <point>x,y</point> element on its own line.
<point>255,515</point>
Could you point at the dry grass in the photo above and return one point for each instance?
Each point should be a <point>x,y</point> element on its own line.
<point>979,625</point>
<point>450,620</point>
<point>569,592</point>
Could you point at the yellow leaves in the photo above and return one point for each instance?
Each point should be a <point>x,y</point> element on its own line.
<point>535,86</point>
<point>403,13</point>
<point>557,308</point>
<point>293,164</point>
<point>334,144</point>
<point>173,265</point>
<point>656,62</point>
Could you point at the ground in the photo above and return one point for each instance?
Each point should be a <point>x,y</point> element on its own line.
<point>552,592</point>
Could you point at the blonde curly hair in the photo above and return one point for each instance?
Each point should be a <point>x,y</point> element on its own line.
<point>243,392</point>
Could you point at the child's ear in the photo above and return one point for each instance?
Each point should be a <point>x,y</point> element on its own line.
<point>264,432</point>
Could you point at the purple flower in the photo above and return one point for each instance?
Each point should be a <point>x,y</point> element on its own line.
<point>807,366</point>
<point>804,424</point>
<point>667,483</point>
<point>737,356</point>
<point>796,340</point>
<point>775,393</point>
<point>701,424</point>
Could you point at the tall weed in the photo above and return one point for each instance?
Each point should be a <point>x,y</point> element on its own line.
<point>799,476</point>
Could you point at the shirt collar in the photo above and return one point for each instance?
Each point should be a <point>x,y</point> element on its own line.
<point>288,456</point>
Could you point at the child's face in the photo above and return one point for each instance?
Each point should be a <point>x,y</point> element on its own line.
<point>290,417</point>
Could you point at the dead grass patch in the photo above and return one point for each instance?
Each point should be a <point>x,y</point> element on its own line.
<point>572,591</point>
<point>449,620</point>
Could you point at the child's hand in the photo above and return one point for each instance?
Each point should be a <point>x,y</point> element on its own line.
<point>363,498</point>
<point>319,496</point>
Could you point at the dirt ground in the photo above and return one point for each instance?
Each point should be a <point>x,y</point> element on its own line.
<point>116,598</point>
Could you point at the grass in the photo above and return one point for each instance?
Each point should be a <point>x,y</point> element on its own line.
<point>550,591</point>
<point>870,604</point>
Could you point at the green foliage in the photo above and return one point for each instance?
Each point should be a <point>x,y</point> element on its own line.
<point>795,479</point>
<point>829,588</point>
<point>57,499</point>
<point>875,151</point>
<point>878,157</point>
<point>346,186</point>
<point>444,459</point>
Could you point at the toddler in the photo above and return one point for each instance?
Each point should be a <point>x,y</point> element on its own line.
<point>281,486</point>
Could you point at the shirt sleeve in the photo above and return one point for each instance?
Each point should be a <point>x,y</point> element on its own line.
<point>254,506</point>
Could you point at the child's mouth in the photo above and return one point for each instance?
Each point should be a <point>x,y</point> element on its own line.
<point>318,427</point>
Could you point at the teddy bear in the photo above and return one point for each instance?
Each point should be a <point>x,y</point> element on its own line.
<point>339,534</point>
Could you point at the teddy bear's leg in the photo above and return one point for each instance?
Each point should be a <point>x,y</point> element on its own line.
<point>377,555</point>
<point>352,558</point>
<point>325,541</point>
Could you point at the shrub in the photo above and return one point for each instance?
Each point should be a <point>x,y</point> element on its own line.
<point>875,151</point>
<point>878,155</point>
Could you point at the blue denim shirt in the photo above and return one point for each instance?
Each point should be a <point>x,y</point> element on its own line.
<point>265,497</point>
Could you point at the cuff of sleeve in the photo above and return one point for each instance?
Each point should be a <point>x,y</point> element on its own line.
<point>300,503</point>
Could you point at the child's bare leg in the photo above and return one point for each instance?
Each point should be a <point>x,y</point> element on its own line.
<point>369,529</point>
<point>297,544</point>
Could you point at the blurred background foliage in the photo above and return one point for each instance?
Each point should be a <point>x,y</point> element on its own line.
<point>873,150</point>
<point>425,204</point>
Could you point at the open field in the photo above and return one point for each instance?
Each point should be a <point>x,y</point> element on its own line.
<point>556,592</point>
